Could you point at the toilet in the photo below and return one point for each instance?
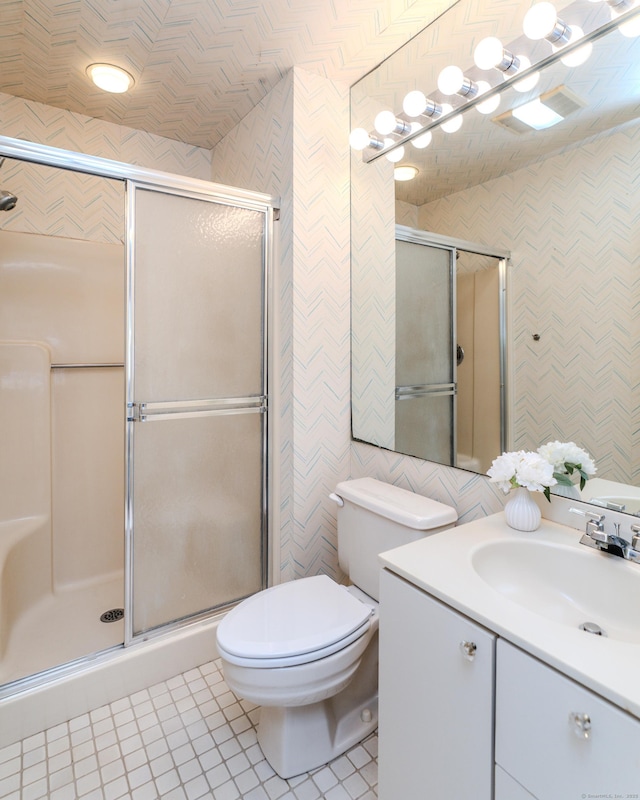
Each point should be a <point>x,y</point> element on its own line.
<point>306,651</point>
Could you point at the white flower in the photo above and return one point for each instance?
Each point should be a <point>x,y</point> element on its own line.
<point>559,454</point>
<point>521,468</point>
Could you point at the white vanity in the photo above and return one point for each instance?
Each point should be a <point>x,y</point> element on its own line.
<point>489,688</point>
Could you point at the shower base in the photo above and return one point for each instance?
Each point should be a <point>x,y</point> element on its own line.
<point>62,627</point>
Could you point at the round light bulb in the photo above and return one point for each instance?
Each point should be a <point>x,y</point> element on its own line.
<point>490,105</point>
<point>452,125</point>
<point>414,103</point>
<point>580,55</point>
<point>359,139</point>
<point>526,84</point>
<point>385,122</point>
<point>539,21</point>
<point>422,141</point>
<point>405,173</point>
<point>629,29</point>
<point>110,78</point>
<point>450,80</point>
<point>488,53</point>
<point>397,154</point>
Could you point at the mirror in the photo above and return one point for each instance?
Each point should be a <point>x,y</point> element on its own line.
<point>561,200</point>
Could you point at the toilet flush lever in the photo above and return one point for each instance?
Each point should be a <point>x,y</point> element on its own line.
<point>336,499</point>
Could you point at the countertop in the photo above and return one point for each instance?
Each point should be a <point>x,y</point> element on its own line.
<point>442,565</point>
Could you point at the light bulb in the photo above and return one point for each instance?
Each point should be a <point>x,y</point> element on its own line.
<point>450,80</point>
<point>580,55</point>
<point>452,125</point>
<point>397,154</point>
<point>541,22</point>
<point>490,54</point>
<point>414,103</point>
<point>110,78</point>
<point>526,84</point>
<point>422,141</point>
<point>359,139</point>
<point>629,29</point>
<point>490,105</point>
<point>385,122</point>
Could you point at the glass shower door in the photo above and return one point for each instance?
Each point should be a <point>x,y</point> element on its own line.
<point>196,443</point>
<point>425,408</point>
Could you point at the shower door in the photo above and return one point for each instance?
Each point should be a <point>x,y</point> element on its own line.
<point>197,402</point>
<point>425,408</point>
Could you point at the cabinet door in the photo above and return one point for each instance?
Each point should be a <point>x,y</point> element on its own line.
<point>541,742</point>
<point>508,789</point>
<point>436,702</point>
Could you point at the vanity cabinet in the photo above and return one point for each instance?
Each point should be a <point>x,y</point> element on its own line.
<point>444,707</point>
<point>435,701</point>
<point>557,739</point>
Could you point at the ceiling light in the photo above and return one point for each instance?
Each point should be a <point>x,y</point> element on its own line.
<point>452,80</point>
<point>490,54</point>
<point>110,78</point>
<point>405,173</point>
<point>386,122</point>
<point>542,22</point>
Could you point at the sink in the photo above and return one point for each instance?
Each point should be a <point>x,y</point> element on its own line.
<point>569,585</point>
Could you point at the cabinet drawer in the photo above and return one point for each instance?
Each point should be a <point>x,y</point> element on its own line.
<point>541,721</point>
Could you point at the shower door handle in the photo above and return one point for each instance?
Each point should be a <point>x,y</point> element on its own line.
<point>183,409</point>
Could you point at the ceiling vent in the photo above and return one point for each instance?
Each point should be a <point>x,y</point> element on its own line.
<point>561,101</point>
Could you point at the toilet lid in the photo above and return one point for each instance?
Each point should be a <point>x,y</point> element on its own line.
<point>291,619</point>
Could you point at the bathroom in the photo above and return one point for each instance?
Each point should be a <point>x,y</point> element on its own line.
<point>308,170</point>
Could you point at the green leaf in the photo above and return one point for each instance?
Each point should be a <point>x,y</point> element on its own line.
<point>563,480</point>
<point>547,493</point>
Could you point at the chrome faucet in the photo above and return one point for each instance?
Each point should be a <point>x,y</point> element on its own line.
<point>611,543</point>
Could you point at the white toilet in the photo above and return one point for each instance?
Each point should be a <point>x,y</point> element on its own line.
<point>307,651</point>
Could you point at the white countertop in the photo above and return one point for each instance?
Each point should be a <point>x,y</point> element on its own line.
<point>441,565</point>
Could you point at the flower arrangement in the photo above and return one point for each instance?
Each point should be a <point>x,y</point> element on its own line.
<point>553,463</point>
<point>568,459</point>
<point>522,469</point>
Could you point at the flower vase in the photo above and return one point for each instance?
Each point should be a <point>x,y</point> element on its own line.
<point>521,511</point>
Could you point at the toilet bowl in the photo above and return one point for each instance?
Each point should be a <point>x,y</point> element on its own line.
<point>306,651</point>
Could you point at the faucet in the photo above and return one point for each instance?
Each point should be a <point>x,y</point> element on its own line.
<point>611,543</point>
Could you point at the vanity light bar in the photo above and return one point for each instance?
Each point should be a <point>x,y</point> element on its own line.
<point>558,54</point>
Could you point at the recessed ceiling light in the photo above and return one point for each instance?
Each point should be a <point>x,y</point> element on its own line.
<point>110,78</point>
<point>405,173</point>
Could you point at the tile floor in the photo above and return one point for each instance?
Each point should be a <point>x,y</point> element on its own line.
<point>184,739</point>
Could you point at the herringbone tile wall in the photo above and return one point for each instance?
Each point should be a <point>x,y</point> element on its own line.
<point>294,145</point>
<point>58,203</point>
<point>571,223</point>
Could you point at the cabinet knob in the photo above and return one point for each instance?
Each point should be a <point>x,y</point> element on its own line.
<point>581,724</point>
<point>468,650</point>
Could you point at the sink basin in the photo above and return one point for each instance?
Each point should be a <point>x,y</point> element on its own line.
<point>570,585</point>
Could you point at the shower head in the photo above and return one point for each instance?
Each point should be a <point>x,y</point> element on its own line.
<point>7,201</point>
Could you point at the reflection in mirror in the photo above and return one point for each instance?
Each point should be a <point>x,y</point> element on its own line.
<point>562,201</point>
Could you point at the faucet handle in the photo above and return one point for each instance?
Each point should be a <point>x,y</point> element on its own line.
<point>635,537</point>
<point>596,519</point>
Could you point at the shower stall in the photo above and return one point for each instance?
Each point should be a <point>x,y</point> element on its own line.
<point>133,409</point>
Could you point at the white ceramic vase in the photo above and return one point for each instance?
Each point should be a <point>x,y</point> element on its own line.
<point>522,512</point>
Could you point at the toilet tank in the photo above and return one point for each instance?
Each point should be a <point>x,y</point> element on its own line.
<point>376,516</point>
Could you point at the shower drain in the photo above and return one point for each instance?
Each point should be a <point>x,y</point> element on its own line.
<point>112,615</point>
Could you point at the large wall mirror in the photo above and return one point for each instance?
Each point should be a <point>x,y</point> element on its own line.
<point>559,208</point>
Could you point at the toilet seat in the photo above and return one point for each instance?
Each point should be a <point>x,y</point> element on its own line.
<point>293,623</point>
